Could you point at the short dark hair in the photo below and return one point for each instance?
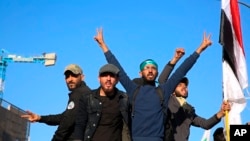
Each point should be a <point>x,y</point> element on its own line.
<point>219,135</point>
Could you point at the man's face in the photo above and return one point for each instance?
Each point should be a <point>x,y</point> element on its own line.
<point>108,82</point>
<point>149,72</point>
<point>181,90</point>
<point>73,80</point>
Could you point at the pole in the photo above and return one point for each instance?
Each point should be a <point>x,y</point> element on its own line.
<point>227,126</point>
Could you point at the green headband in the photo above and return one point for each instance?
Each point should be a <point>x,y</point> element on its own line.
<point>148,62</point>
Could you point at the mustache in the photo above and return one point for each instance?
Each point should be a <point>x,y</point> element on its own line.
<point>71,83</point>
<point>108,82</point>
<point>150,74</point>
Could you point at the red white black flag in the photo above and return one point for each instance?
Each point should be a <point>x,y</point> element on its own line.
<point>233,63</point>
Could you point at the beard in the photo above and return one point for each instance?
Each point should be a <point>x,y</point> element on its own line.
<point>109,92</point>
<point>71,86</point>
<point>178,94</point>
<point>149,78</point>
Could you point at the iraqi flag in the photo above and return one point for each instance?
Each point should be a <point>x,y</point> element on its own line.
<point>233,63</point>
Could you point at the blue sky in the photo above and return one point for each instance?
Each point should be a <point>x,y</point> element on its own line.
<point>133,30</point>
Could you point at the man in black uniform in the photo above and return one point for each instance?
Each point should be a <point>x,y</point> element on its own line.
<point>66,120</point>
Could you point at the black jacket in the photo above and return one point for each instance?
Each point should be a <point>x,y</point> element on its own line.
<point>66,120</point>
<point>90,113</point>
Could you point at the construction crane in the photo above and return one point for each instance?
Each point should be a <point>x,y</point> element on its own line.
<point>48,59</point>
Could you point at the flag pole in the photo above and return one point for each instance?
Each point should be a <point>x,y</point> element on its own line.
<point>227,126</point>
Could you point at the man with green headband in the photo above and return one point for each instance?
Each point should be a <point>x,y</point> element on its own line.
<point>148,117</point>
<point>178,54</point>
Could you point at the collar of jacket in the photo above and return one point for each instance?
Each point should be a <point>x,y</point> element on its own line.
<point>79,88</point>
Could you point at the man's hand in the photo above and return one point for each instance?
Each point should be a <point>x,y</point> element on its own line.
<point>99,36</point>
<point>224,107</point>
<point>179,52</point>
<point>100,40</point>
<point>31,116</point>
<point>205,43</point>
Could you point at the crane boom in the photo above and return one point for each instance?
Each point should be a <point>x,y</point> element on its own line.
<point>48,59</point>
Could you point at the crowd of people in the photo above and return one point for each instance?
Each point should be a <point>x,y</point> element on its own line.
<point>146,111</point>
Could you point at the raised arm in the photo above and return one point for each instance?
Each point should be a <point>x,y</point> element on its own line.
<point>126,82</point>
<point>179,52</point>
<point>183,69</point>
